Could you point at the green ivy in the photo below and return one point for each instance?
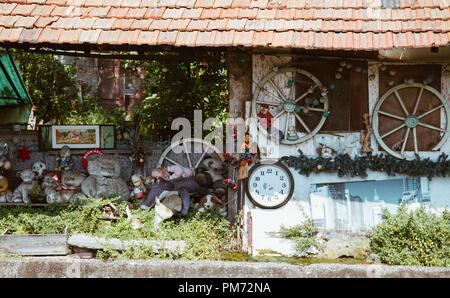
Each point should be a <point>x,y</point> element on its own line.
<point>345,166</point>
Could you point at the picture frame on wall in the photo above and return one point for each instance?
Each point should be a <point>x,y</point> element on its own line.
<point>53,137</point>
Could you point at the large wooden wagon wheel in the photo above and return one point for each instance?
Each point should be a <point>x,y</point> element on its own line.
<point>296,95</point>
<point>406,115</point>
<point>188,153</point>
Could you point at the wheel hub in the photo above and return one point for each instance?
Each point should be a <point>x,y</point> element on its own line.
<point>411,121</point>
<point>289,106</point>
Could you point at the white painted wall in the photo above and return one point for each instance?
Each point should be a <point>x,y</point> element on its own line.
<point>265,222</point>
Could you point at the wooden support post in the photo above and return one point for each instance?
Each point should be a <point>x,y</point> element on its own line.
<point>239,69</point>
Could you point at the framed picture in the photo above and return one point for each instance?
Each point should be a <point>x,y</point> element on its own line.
<point>358,206</point>
<point>76,137</point>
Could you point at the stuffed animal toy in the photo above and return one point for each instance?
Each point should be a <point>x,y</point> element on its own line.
<point>5,193</point>
<point>161,213</point>
<point>39,168</point>
<point>209,201</point>
<point>63,160</point>
<point>139,189</point>
<point>70,187</point>
<point>135,221</point>
<point>49,184</point>
<point>179,172</point>
<point>104,177</point>
<point>20,194</point>
<point>6,154</point>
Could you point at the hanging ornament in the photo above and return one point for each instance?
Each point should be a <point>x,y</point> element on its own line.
<point>262,57</point>
<point>231,183</point>
<point>204,63</point>
<point>310,90</point>
<point>326,114</point>
<point>164,69</point>
<point>342,63</point>
<point>358,69</point>
<point>348,66</point>
<point>364,71</point>
<point>383,67</point>
<point>182,67</point>
<point>289,83</point>
<point>391,83</point>
<point>428,80</point>
<point>243,59</point>
<point>340,69</point>
<point>338,76</point>
<point>332,86</point>
<point>298,109</point>
<point>315,102</point>
<point>222,59</point>
<point>24,153</point>
<point>392,73</point>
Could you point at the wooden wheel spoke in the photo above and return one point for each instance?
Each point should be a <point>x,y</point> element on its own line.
<point>186,152</point>
<point>286,128</point>
<point>416,149</point>
<point>312,109</point>
<point>201,158</point>
<point>305,94</point>
<point>302,122</point>
<point>400,101</point>
<point>431,127</point>
<point>292,89</point>
<point>172,161</point>
<point>405,139</point>
<point>279,114</point>
<point>283,98</point>
<point>260,102</point>
<point>392,115</point>
<point>430,111</point>
<point>392,131</point>
<point>417,101</point>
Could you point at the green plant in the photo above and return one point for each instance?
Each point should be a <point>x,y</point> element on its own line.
<point>412,238</point>
<point>303,234</point>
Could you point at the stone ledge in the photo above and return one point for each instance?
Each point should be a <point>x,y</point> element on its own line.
<point>50,267</point>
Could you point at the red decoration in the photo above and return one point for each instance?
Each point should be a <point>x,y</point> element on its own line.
<point>24,153</point>
<point>265,117</point>
<point>86,155</point>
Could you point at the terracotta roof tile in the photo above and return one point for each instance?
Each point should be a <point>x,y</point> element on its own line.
<point>130,3</point>
<point>89,36</point>
<point>185,3</point>
<point>220,24</point>
<point>283,40</point>
<point>203,4</point>
<point>248,13</point>
<point>205,39</point>
<point>243,38</point>
<point>222,3</point>
<point>43,10</point>
<point>23,9</point>
<point>173,13</point>
<point>224,38</point>
<point>229,13</point>
<point>123,24</point>
<point>140,24</point>
<point>99,12</point>
<point>262,39</point>
<point>103,24</point>
<point>118,12</point>
<point>304,39</point>
<point>241,4</point>
<point>167,37</point>
<point>187,38</point>
<point>70,36</point>
<point>26,22</point>
<point>257,25</point>
<point>148,37</point>
<point>295,3</point>
<point>154,13</point>
<point>136,13</point>
<point>209,13</point>
<point>274,25</point>
<point>199,25</point>
<point>179,25</point>
<point>193,13</point>
<point>161,25</point>
<point>49,35</point>
<point>7,8</point>
<point>29,35</point>
<point>45,21</point>
<point>259,3</point>
<point>65,23</point>
<point>60,11</point>
<point>266,13</point>
<point>236,24</point>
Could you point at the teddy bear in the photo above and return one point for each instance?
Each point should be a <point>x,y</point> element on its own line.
<point>178,171</point>
<point>20,194</point>
<point>5,193</point>
<point>104,177</point>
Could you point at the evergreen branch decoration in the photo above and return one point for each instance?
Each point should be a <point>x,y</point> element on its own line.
<point>345,166</point>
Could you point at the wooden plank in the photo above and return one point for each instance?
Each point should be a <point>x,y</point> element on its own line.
<point>33,245</point>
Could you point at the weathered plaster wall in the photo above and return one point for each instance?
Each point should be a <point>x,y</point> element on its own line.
<point>265,222</point>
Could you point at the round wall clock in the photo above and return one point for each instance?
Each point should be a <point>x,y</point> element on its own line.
<point>269,185</point>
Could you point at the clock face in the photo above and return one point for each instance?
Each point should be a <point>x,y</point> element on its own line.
<point>270,185</point>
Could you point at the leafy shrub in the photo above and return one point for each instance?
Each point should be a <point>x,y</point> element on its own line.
<point>205,234</point>
<point>303,234</point>
<point>412,238</point>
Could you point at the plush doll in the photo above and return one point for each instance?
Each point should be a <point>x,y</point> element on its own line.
<point>6,154</point>
<point>209,201</point>
<point>178,171</point>
<point>20,194</point>
<point>139,189</point>
<point>265,117</point>
<point>5,193</point>
<point>39,168</point>
<point>63,160</point>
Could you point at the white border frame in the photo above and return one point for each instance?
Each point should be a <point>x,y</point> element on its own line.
<point>76,146</point>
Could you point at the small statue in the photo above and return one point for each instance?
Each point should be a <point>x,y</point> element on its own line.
<point>20,194</point>
<point>63,160</point>
<point>139,189</point>
<point>5,193</point>
<point>6,154</point>
<point>49,184</point>
<point>292,134</point>
<point>39,168</point>
<point>265,117</point>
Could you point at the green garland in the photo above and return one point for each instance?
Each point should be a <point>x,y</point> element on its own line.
<point>345,166</point>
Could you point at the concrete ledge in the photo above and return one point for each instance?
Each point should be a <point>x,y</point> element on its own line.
<point>60,267</point>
